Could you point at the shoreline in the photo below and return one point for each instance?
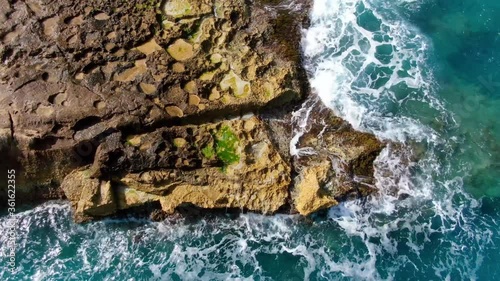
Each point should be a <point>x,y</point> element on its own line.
<point>121,119</point>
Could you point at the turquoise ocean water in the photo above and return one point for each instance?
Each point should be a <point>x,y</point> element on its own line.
<point>425,73</point>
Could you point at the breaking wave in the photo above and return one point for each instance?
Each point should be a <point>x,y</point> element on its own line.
<point>372,68</point>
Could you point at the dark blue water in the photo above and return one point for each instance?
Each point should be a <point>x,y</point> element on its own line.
<point>422,73</point>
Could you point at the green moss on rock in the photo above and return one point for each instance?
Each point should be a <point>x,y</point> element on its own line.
<point>208,152</point>
<point>226,144</point>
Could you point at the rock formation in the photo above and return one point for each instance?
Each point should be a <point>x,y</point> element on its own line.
<point>337,163</point>
<point>116,104</point>
<point>231,164</point>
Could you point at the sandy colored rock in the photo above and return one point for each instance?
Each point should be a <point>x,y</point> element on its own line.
<point>174,111</point>
<point>254,177</point>
<point>194,100</point>
<point>309,196</point>
<point>149,47</point>
<point>180,142</point>
<point>258,181</point>
<point>148,89</point>
<point>132,73</point>
<point>207,76</point>
<point>50,26</point>
<point>134,140</point>
<point>77,20</point>
<point>111,35</point>
<point>214,95</point>
<point>90,197</point>
<point>181,50</point>
<point>191,87</point>
<point>101,16</point>
<point>128,198</point>
<point>238,87</point>
<point>178,8</point>
<point>215,58</point>
<point>109,46</point>
<point>178,67</point>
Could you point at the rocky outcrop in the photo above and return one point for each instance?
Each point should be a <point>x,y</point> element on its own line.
<point>230,164</point>
<point>75,72</point>
<point>124,103</point>
<point>334,162</point>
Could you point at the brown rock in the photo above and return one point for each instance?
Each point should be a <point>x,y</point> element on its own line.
<point>194,100</point>
<point>90,197</point>
<point>66,104</point>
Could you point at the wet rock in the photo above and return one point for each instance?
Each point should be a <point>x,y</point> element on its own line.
<point>333,161</point>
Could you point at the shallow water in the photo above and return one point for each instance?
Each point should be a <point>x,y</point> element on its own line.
<point>423,73</point>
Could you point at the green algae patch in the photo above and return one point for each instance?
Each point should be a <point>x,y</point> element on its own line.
<point>226,144</point>
<point>208,152</point>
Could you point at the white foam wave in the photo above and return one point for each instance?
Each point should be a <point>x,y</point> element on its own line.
<point>368,65</point>
<point>361,59</point>
<point>251,247</point>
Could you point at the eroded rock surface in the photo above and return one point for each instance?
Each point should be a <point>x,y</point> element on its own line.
<point>75,72</point>
<point>231,164</point>
<point>130,102</point>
